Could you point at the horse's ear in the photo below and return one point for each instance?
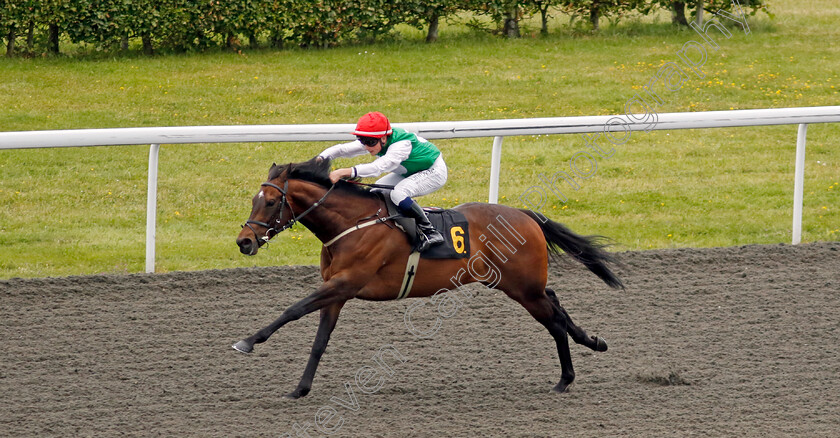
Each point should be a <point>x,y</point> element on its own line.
<point>271,169</point>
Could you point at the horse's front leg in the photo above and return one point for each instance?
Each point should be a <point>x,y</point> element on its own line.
<point>329,316</point>
<point>329,293</point>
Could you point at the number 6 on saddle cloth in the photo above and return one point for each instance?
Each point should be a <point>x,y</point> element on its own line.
<point>451,224</point>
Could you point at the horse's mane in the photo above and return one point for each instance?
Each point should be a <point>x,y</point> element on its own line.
<point>318,172</point>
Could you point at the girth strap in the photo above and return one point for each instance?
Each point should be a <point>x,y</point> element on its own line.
<point>410,274</point>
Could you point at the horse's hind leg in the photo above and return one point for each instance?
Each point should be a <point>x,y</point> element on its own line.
<point>578,334</point>
<point>543,310</point>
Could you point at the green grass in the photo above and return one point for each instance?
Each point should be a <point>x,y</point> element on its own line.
<point>74,211</point>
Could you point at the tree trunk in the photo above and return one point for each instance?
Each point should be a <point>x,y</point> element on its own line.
<point>512,23</point>
<point>148,50</point>
<point>595,14</point>
<point>276,40</point>
<point>699,16</point>
<point>678,14</point>
<point>202,40</point>
<point>544,17</point>
<point>124,43</point>
<point>30,37</point>
<point>10,42</point>
<point>52,42</point>
<point>434,22</point>
<point>252,40</point>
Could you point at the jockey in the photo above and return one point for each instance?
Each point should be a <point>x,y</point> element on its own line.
<point>417,167</point>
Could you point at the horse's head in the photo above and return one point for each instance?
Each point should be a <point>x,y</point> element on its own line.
<point>272,208</point>
<point>270,211</point>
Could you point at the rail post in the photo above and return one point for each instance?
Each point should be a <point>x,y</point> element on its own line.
<point>151,208</point>
<point>495,165</point>
<point>799,183</point>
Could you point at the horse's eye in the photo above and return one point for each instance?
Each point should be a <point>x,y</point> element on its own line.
<point>270,203</point>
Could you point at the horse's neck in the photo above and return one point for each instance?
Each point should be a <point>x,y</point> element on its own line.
<point>338,212</point>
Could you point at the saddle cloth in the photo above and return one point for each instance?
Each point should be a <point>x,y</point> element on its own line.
<point>451,224</point>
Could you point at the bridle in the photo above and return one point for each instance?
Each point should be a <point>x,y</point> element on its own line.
<point>284,202</point>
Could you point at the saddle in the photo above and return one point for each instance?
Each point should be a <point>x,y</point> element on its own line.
<point>450,223</point>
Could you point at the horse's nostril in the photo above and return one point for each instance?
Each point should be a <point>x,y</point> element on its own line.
<point>246,246</point>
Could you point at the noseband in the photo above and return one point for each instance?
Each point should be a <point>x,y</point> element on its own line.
<point>284,202</point>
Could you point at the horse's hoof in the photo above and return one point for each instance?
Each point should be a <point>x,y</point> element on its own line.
<point>296,394</point>
<point>600,344</point>
<point>561,387</point>
<point>243,347</point>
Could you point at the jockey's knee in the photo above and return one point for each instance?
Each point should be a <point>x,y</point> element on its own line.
<point>398,196</point>
<point>405,204</point>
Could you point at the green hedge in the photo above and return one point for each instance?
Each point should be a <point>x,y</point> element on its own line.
<point>189,25</point>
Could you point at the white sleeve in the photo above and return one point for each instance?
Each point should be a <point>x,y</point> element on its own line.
<point>397,153</point>
<point>344,150</point>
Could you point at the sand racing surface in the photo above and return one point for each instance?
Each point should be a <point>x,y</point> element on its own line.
<point>741,341</point>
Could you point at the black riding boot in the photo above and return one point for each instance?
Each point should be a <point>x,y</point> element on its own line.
<point>431,236</point>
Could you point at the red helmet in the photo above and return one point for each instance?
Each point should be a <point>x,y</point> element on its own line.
<point>374,125</point>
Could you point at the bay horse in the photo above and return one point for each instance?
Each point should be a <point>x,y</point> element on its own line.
<point>369,262</point>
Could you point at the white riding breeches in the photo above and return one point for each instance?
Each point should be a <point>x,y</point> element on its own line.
<point>418,184</point>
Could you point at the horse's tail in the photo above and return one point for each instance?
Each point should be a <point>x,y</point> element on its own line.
<point>588,250</point>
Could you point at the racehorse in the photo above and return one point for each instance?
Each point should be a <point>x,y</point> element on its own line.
<point>369,262</point>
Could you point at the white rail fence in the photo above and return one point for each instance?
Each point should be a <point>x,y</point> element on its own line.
<point>430,130</point>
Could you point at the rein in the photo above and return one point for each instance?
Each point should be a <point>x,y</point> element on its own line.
<point>374,186</point>
<point>283,204</point>
<point>359,226</point>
